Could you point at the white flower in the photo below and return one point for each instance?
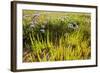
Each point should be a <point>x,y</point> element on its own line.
<point>42,30</point>
<point>32,26</point>
<point>70,25</point>
<point>73,25</point>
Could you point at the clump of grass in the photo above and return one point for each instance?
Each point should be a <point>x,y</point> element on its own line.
<point>57,37</point>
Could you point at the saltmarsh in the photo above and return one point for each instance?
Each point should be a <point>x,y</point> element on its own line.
<point>56,36</point>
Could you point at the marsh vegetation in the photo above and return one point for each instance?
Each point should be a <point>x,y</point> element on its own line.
<point>56,36</point>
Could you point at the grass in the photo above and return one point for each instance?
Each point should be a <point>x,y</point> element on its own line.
<point>56,36</point>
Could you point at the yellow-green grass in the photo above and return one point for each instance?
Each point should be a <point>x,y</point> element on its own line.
<point>58,42</point>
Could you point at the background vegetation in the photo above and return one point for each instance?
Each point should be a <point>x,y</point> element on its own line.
<point>56,36</point>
